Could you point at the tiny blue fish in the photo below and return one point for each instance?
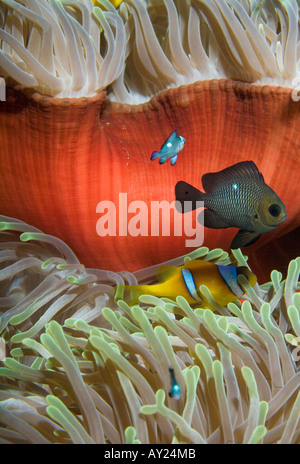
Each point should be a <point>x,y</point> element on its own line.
<point>175,391</point>
<point>170,149</point>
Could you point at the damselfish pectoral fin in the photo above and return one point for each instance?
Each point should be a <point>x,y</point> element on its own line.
<point>173,160</point>
<point>162,160</point>
<point>209,219</point>
<point>244,238</point>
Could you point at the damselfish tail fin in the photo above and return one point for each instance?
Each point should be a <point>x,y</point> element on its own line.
<point>187,197</point>
<point>155,154</point>
<point>130,293</point>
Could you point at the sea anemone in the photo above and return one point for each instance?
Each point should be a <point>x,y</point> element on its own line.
<point>80,368</point>
<point>93,91</point>
<point>74,49</point>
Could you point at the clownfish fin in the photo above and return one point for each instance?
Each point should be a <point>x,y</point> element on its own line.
<point>130,293</point>
<point>195,264</point>
<point>164,272</point>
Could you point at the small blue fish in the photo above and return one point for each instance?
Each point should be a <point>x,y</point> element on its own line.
<point>170,149</point>
<point>175,391</point>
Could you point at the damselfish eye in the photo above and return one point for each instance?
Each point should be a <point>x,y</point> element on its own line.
<point>274,210</point>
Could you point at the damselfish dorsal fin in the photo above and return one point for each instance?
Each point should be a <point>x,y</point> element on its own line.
<point>243,170</point>
<point>170,139</point>
<point>164,272</point>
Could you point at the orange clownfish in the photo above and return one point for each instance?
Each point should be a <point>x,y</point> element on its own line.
<point>185,280</point>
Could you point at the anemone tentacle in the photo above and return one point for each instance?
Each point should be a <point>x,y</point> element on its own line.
<point>78,49</point>
<point>97,371</point>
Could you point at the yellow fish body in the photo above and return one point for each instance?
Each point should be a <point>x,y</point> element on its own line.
<point>185,280</point>
<point>115,3</point>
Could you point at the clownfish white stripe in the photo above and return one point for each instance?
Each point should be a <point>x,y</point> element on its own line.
<point>230,276</point>
<point>190,283</point>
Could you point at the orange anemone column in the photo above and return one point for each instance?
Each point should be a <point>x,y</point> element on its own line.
<point>60,158</point>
